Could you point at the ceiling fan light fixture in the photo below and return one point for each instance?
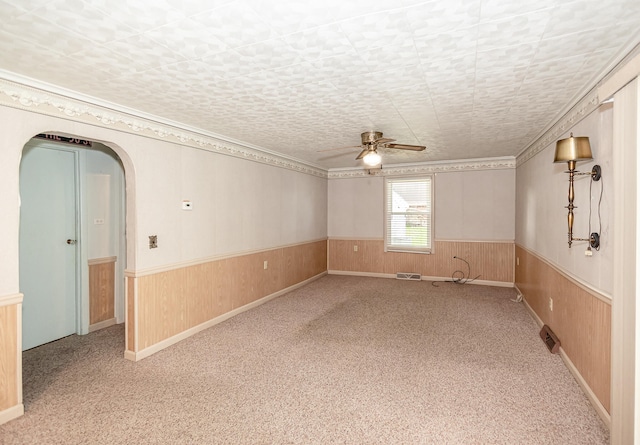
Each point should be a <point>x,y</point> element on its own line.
<point>372,140</point>
<point>372,159</point>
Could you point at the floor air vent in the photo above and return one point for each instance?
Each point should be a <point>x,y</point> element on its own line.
<point>550,339</point>
<point>408,276</point>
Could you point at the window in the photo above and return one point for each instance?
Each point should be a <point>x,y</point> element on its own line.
<point>409,214</point>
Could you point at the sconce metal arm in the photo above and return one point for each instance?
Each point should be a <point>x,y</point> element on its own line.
<point>596,174</point>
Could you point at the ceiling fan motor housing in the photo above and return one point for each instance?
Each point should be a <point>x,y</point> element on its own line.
<point>370,137</point>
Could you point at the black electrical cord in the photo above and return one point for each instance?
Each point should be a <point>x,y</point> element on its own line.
<point>458,276</point>
<point>590,195</point>
<point>599,206</point>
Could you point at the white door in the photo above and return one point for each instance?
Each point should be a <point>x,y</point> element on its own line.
<point>48,249</point>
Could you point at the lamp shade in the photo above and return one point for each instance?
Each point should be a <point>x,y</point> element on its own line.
<point>573,149</point>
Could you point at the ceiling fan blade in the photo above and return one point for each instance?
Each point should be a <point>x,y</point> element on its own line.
<point>383,141</point>
<point>363,153</point>
<point>405,147</point>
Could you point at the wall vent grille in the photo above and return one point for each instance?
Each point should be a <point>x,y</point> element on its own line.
<point>408,276</point>
<point>550,339</point>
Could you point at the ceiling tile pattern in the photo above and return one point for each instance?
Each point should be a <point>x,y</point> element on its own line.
<point>467,78</point>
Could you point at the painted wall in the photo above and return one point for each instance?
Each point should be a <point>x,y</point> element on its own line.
<point>104,200</point>
<point>476,205</point>
<point>469,206</point>
<point>356,208</point>
<point>238,205</point>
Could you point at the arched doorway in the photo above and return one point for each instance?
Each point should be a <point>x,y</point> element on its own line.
<point>72,237</point>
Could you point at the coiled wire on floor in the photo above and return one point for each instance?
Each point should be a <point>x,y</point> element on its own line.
<point>458,276</point>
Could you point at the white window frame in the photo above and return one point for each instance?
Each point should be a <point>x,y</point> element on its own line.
<point>429,213</point>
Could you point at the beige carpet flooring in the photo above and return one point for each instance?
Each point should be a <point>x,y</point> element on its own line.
<point>346,360</point>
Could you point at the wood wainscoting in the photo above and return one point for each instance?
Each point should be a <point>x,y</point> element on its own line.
<point>10,358</point>
<point>163,306</point>
<point>490,261</point>
<point>102,293</point>
<point>581,319</point>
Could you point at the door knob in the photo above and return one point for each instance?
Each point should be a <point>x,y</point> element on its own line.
<point>71,241</point>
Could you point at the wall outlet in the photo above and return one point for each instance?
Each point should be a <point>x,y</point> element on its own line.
<point>98,221</point>
<point>588,252</point>
<point>355,248</point>
<point>153,241</point>
<point>266,265</point>
<point>551,304</point>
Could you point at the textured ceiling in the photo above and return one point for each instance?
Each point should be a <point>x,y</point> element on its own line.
<point>466,78</point>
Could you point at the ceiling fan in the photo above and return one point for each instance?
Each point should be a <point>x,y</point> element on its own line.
<point>372,140</point>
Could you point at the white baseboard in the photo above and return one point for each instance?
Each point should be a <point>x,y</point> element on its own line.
<point>478,282</point>
<point>361,274</point>
<point>600,409</point>
<point>597,405</point>
<point>102,325</point>
<point>136,356</point>
<point>424,278</point>
<point>11,413</point>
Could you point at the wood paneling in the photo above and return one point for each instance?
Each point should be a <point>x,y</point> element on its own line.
<point>161,306</point>
<point>101,291</point>
<point>174,301</point>
<point>580,319</point>
<point>492,261</point>
<point>9,356</point>
<point>131,315</point>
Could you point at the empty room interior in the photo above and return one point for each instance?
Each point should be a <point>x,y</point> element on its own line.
<point>373,221</point>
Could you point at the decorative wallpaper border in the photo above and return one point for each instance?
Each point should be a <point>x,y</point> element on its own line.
<point>37,100</point>
<point>507,162</point>
<point>579,111</point>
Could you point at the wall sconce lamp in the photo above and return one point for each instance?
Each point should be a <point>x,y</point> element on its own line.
<point>571,150</point>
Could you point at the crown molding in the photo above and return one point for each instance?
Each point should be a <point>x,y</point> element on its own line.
<point>617,79</point>
<point>588,102</point>
<point>579,111</point>
<point>501,163</point>
<point>36,97</point>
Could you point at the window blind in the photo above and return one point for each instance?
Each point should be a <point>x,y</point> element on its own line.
<point>409,214</point>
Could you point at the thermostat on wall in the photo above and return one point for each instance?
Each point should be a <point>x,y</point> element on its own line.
<point>187,205</point>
